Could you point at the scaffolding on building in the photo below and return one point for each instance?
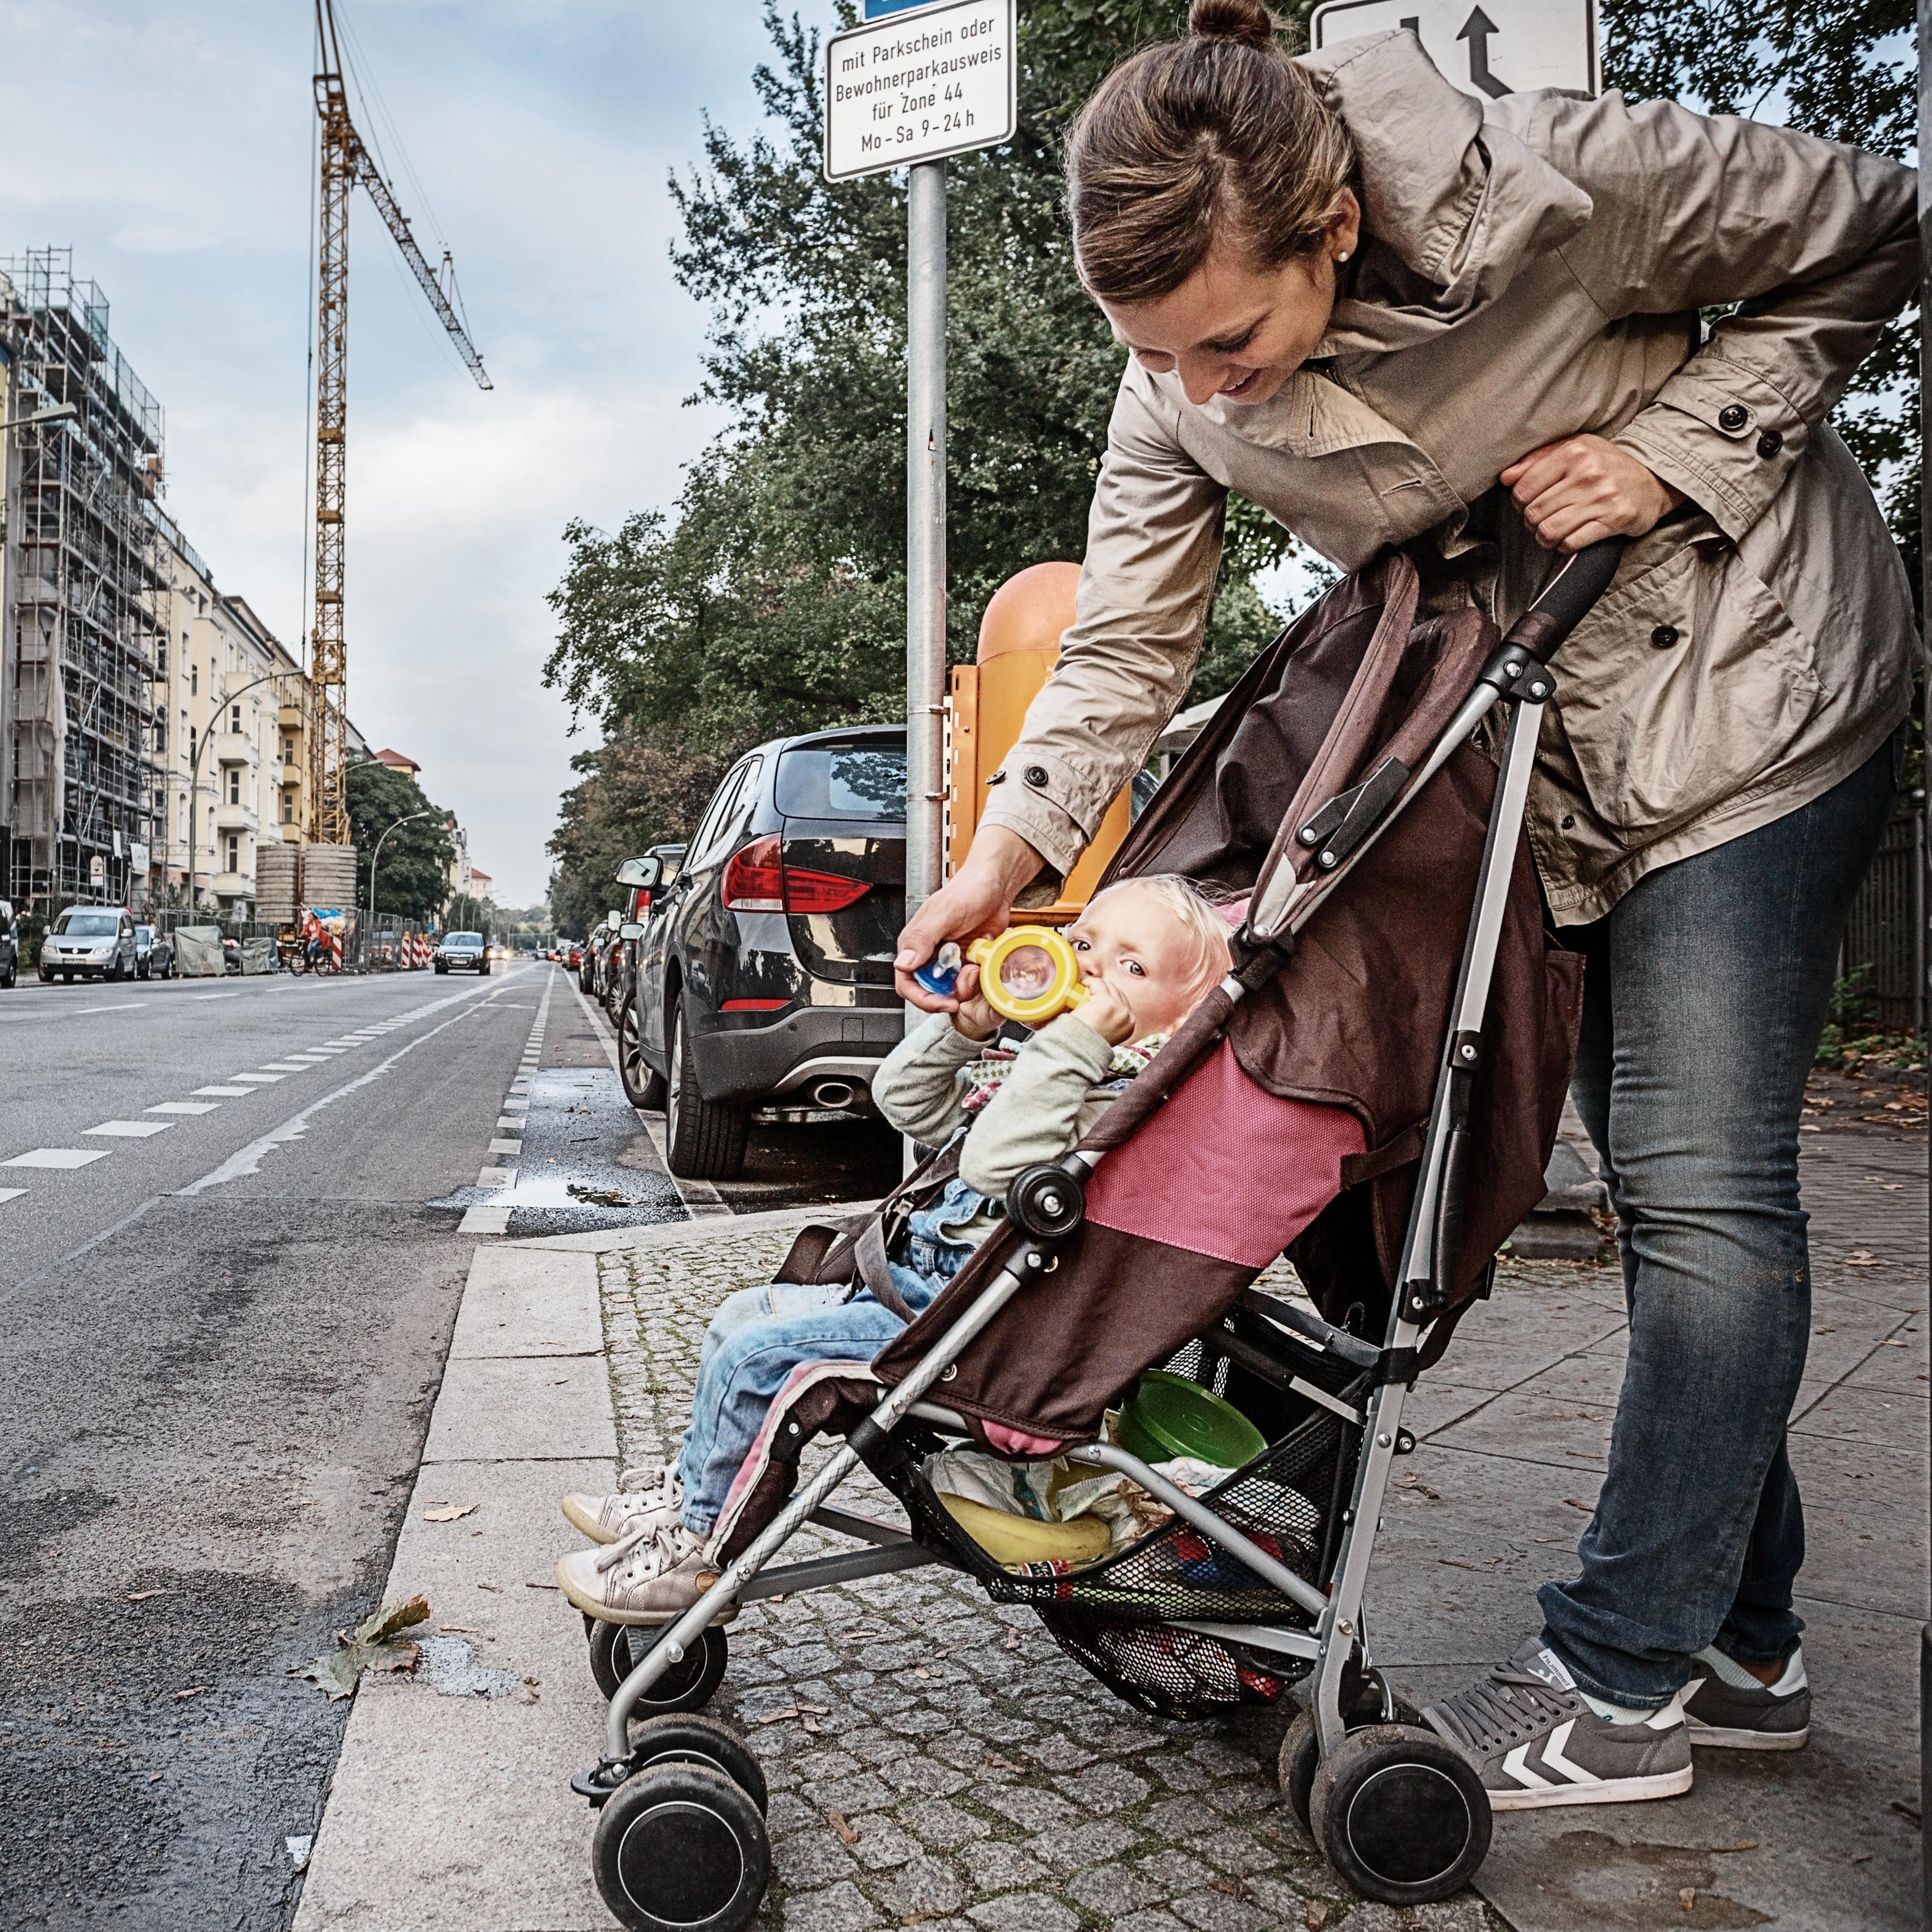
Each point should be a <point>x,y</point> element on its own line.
<point>88,593</point>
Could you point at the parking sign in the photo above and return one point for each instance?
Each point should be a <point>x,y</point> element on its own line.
<point>1489,48</point>
<point>918,86</point>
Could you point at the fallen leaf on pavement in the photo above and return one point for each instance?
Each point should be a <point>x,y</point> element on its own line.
<point>1316,1916</point>
<point>1233,1887</point>
<point>495,1589</point>
<point>790,1711</point>
<point>1742,1845</point>
<point>1686,1898</point>
<point>529,1585</point>
<point>194,1690</point>
<point>142,1596</point>
<point>376,1643</point>
<point>1588,1509</point>
<point>1012,1639</point>
<point>1006,1764</point>
<point>457,1629</point>
<point>448,1512</point>
<point>837,1820</point>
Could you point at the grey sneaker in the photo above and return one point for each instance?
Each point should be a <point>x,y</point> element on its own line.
<point>1536,1742</point>
<point>1747,1715</point>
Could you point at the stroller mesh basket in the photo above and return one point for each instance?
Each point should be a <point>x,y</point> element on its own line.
<point>1110,1615</point>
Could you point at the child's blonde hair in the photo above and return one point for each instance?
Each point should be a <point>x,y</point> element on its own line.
<point>1194,910</point>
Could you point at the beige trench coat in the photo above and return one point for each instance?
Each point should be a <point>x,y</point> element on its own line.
<point>1532,269</point>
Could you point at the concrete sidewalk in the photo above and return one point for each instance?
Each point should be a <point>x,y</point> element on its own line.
<point>935,1760</point>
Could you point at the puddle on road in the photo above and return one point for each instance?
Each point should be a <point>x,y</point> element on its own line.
<point>586,1164</point>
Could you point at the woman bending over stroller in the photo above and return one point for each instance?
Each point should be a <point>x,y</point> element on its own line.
<point>1148,949</point>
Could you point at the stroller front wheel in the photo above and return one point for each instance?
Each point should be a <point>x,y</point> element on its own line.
<point>1401,1815</point>
<point>685,1737</point>
<point>616,1650</point>
<point>680,1848</point>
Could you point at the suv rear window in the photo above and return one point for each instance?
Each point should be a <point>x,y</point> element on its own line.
<point>843,781</point>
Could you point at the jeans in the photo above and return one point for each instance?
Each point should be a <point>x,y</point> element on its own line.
<point>1705,992</point>
<point>760,1335</point>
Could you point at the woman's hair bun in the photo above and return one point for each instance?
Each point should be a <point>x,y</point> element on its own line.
<point>1247,21</point>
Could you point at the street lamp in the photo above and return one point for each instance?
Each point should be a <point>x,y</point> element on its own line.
<point>60,413</point>
<point>194,763</point>
<point>430,813</point>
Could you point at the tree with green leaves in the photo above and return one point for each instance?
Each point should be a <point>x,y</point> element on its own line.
<point>412,874</point>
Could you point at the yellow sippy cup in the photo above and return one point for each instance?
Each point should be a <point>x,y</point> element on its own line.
<point>1029,973</point>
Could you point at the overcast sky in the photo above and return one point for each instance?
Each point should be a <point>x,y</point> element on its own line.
<point>172,146</point>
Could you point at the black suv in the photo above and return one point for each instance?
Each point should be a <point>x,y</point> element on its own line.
<point>765,968</point>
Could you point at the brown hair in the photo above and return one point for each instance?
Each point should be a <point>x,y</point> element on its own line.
<point>1217,135</point>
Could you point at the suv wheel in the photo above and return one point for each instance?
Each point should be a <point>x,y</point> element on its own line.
<point>643,1085</point>
<point>707,1141</point>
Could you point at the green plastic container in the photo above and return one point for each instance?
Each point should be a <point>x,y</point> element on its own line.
<point>1168,1416</point>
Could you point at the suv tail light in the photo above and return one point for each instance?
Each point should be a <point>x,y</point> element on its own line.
<point>757,880</point>
<point>754,879</point>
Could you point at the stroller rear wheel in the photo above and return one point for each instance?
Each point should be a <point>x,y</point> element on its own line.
<point>685,1737</point>
<point>1401,1815</point>
<point>1301,1751</point>
<point>616,1650</point>
<point>680,1848</point>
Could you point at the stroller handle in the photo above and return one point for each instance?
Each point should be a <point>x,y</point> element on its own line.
<point>1565,601</point>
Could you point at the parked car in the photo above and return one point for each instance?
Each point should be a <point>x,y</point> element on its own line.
<point>154,954</point>
<point>765,972</point>
<point>461,952</point>
<point>89,942</point>
<point>9,946</point>
<point>646,882</point>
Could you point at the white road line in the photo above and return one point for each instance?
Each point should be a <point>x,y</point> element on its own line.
<point>490,1176</point>
<point>11,1193</point>
<point>214,996</point>
<point>507,1147</point>
<point>183,1107</point>
<point>119,1006</point>
<point>248,1160</point>
<point>129,1130</point>
<point>285,1066</point>
<point>258,1079</point>
<point>227,1093</point>
<point>57,1157</point>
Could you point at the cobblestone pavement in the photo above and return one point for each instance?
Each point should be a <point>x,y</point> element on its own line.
<point>934,1759</point>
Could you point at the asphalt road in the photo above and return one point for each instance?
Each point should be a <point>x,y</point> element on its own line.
<point>219,1345</point>
<point>230,1259</point>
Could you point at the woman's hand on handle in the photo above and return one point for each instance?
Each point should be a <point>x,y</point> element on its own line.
<point>1574,493</point>
<point>977,900</point>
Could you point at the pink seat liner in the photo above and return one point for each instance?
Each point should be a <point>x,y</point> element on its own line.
<point>1225,1169</point>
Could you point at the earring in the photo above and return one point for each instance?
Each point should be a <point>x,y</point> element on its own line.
<point>1342,257</point>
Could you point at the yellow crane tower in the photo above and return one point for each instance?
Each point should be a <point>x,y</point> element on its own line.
<point>345,162</point>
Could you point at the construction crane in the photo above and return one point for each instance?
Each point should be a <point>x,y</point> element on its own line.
<point>345,161</point>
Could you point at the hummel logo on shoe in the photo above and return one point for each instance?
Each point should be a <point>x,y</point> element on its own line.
<point>1536,1740</point>
<point>1725,1705</point>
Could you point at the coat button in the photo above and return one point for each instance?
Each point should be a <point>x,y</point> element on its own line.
<point>1664,636</point>
<point>1732,417</point>
<point>1770,443</point>
<point>1569,821</point>
<point>997,777</point>
<point>1036,776</point>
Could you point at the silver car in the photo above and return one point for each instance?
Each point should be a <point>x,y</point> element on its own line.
<point>89,942</point>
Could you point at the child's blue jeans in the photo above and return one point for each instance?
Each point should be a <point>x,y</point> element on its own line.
<point>760,1335</point>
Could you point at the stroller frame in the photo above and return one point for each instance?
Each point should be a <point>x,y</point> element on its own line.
<point>1516,678</point>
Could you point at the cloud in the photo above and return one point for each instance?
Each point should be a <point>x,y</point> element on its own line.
<point>541,133</point>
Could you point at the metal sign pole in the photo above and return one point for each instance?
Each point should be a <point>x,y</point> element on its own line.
<point>1924,842</point>
<point>925,526</point>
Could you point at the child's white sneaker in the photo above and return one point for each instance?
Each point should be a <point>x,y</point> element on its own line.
<point>650,1575</point>
<point>654,1494</point>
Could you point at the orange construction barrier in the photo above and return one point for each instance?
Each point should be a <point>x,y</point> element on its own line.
<point>1019,641</point>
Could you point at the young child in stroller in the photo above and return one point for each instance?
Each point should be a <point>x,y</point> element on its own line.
<point>1148,949</point>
